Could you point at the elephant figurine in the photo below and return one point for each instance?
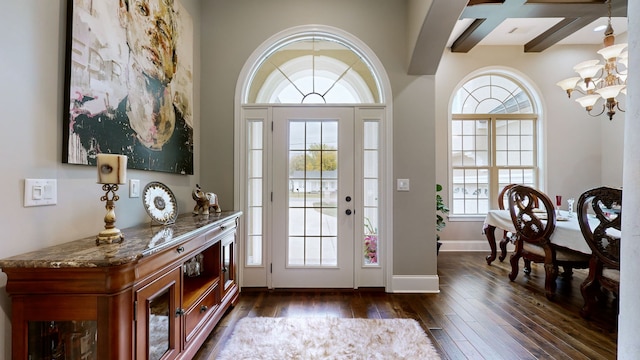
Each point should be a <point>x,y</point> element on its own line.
<point>204,201</point>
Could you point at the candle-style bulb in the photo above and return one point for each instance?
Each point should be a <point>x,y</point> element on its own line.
<point>112,168</point>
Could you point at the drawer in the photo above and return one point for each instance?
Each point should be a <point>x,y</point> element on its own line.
<point>224,228</point>
<point>201,310</point>
<point>168,257</point>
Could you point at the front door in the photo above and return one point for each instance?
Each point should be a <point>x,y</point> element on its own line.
<point>313,197</point>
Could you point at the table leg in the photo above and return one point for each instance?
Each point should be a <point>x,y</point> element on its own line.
<point>489,232</point>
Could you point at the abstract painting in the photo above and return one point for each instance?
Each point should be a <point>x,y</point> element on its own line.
<point>129,84</point>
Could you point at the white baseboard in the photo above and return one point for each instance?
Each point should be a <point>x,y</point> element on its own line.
<point>470,245</point>
<point>415,284</point>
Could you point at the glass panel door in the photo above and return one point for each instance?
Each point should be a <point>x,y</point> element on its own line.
<point>313,197</point>
<point>157,318</point>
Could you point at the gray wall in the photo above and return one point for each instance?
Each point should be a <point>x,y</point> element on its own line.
<point>231,31</point>
<point>31,96</point>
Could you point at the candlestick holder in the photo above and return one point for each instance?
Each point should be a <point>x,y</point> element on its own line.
<point>110,234</point>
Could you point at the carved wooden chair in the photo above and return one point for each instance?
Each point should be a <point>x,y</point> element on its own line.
<point>533,242</point>
<point>605,204</point>
<point>507,236</point>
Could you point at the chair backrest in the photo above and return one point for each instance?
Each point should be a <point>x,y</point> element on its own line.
<point>502,197</point>
<point>530,225</point>
<point>604,205</point>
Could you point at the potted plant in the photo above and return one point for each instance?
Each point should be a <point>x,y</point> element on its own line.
<point>441,211</point>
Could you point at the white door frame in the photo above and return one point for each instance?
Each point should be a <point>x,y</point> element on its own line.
<point>386,189</point>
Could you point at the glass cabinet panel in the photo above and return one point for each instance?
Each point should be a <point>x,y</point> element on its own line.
<point>157,313</point>
<point>159,330</point>
<point>228,262</point>
<point>54,340</point>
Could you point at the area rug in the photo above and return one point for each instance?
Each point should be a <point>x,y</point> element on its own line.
<point>264,338</point>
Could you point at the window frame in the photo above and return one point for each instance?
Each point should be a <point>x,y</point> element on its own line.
<point>493,178</point>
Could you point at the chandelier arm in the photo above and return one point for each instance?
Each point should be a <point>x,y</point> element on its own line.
<point>579,90</point>
<point>604,107</point>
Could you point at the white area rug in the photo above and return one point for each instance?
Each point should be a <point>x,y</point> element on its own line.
<point>327,338</point>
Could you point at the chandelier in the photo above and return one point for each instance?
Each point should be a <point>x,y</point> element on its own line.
<point>601,81</point>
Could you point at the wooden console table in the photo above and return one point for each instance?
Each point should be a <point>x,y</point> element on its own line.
<point>156,295</point>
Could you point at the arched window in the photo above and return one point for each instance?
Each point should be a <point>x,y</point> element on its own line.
<point>313,69</point>
<point>493,141</point>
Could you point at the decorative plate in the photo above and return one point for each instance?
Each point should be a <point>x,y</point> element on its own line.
<point>160,203</point>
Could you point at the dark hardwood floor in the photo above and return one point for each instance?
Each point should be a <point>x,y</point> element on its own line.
<point>478,314</point>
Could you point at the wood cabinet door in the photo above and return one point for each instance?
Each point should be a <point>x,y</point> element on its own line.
<point>158,315</point>
<point>228,263</point>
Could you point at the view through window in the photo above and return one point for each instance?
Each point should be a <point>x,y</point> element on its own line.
<point>493,141</point>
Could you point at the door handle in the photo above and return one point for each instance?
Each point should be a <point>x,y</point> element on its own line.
<point>348,212</point>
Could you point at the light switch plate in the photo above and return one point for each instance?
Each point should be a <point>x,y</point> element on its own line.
<point>134,188</point>
<point>40,192</point>
<point>403,185</point>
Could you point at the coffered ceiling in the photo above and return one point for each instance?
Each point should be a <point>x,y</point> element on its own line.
<point>534,24</point>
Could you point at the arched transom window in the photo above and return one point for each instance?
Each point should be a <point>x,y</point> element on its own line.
<point>493,141</point>
<point>314,69</point>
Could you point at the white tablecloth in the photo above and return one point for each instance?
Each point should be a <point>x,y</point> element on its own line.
<point>566,234</point>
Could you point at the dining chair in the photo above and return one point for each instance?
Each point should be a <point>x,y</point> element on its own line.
<point>533,237</point>
<point>508,236</point>
<point>603,237</point>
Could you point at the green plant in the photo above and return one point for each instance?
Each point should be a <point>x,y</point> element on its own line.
<point>441,210</point>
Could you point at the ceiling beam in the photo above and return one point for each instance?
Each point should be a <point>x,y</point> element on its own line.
<point>577,13</point>
<point>556,33</point>
<point>432,37</point>
<point>487,19</point>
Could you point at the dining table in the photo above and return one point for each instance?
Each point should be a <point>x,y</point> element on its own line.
<point>567,232</point>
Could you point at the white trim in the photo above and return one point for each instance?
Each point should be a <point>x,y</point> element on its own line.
<point>242,85</point>
<point>466,218</point>
<point>285,36</point>
<point>471,246</point>
<point>415,284</point>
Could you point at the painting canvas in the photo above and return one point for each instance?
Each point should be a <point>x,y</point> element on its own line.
<point>129,84</point>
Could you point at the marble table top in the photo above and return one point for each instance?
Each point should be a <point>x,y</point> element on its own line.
<point>139,241</point>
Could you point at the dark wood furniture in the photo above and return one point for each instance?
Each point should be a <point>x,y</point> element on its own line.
<point>490,231</point>
<point>157,295</point>
<point>603,237</point>
<point>507,236</point>
<point>533,237</point>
